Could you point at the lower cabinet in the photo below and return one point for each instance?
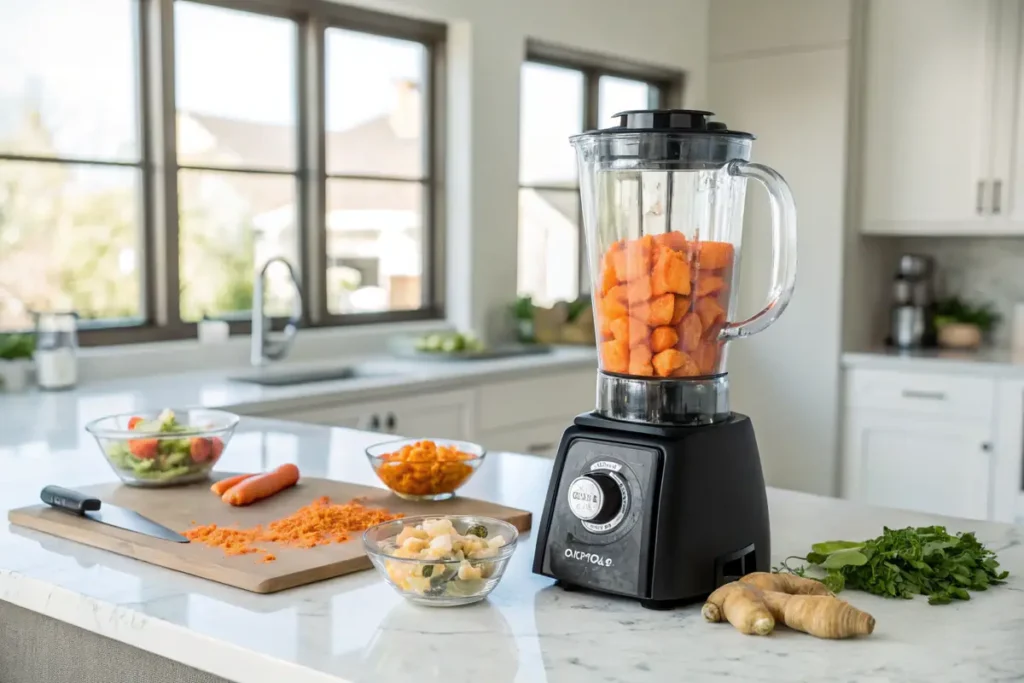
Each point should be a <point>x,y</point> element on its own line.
<point>921,441</point>
<point>447,415</point>
<point>914,462</point>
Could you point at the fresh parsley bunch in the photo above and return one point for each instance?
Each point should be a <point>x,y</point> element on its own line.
<point>903,562</point>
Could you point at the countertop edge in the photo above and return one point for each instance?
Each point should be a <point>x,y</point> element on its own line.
<point>1001,365</point>
<point>131,627</point>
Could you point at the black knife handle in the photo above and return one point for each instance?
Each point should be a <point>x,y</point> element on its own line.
<point>67,499</point>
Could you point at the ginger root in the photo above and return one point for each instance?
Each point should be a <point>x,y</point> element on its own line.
<point>755,603</point>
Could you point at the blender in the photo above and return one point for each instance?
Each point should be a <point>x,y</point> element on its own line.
<point>658,494</point>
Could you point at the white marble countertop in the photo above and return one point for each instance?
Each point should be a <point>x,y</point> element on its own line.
<point>986,361</point>
<point>25,416</point>
<point>356,629</point>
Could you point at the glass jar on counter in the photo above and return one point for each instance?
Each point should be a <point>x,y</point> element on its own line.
<point>56,354</point>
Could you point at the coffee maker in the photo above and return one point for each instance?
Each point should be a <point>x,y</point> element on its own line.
<point>658,494</point>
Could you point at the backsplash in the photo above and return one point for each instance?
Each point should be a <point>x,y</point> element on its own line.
<point>977,269</point>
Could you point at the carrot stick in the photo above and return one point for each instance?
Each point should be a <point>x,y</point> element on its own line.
<point>221,487</point>
<point>262,485</point>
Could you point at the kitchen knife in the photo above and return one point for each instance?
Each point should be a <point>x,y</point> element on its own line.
<point>86,506</point>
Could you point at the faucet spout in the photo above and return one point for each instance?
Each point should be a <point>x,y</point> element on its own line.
<point>264,348</point>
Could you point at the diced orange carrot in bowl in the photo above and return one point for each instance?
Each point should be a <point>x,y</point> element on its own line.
<point>661,310</point>
<point>709,284</point>
<point>640,361</point>
<point>663,338</point>
<point>689,332</point>
<point>667,362</point>
<point>615,356</point>
<point>671,273</point>
<point>687,367</point>
<point>713,255</point>
<point>638,290</point>
<point>682,307</point>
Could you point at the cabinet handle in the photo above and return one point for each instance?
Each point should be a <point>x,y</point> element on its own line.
<point>981,197</point>
<point>538,447</point>
<point>374,422</point>
<point>391,422</point>
<point>997,190</point>
<point>987,447</point>
<point>927,395</point>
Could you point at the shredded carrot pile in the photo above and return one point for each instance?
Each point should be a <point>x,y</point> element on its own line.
<point>319,523</point>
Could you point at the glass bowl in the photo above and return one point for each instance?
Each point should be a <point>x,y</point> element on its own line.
<point>440,583</point>
<point>412,470</point>
<point>165,449</point>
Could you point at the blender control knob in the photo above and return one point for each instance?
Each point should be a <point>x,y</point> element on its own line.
<point>597,497</point>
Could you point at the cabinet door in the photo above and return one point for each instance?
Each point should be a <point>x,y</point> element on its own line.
<point>918,463</point>
<point>927,109</point>
<point>445,416</point>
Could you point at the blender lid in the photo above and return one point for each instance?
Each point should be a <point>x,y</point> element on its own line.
<point>675,121</point>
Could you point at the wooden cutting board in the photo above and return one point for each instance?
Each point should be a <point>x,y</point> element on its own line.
<point>183,507</point>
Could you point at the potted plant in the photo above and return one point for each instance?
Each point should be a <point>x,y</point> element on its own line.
<point>522,312</point>
<point>15,361</point>
<point>962,325</point>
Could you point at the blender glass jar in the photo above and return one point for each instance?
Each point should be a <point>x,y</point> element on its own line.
<point>663,195</point>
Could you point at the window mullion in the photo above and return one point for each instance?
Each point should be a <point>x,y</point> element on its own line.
<point>161,166</point>
<point>312,163</point>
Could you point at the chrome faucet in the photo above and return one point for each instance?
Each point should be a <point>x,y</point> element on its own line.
<point>263,348</point>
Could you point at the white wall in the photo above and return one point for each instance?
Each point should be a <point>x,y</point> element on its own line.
<point>788,84</point>
<point>487,42</point>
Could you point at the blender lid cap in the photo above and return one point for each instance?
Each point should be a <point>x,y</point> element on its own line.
<point>682,121</point>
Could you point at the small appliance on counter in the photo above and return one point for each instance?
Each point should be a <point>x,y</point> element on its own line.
<point>56,353</point>
<point>659,494</point>
<point>910,321</point>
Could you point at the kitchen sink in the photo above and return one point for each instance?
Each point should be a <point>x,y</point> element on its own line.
<point>282,377</point>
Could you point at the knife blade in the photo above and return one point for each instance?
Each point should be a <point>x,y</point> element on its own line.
<point>83,505</point>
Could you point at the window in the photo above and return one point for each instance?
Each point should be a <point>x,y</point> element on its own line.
<point>562,95</point>
<point>155,153</point>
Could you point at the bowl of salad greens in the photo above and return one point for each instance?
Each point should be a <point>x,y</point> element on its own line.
<point>166,448</point>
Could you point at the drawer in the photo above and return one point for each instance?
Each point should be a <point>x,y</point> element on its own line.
<point>540,438</point>
<point>536,399</point>
<point>920,392</point>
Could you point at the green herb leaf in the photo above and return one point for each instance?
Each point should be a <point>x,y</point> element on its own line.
<point>829,547</point>
<point>843,558</point>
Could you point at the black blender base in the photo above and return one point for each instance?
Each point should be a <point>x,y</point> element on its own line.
<point>696,518</point>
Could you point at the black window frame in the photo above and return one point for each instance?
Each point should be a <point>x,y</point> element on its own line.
<point>157,115</point>
<point>666,86</point>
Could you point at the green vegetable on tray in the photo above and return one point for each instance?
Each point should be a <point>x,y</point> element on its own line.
<point>454,342</point>
<point>902,563</point>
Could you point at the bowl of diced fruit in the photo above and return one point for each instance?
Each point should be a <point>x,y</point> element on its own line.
<point>166,448</point>
<point>442,561</point>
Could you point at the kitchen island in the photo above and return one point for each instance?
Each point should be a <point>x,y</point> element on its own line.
<point>356,629</point>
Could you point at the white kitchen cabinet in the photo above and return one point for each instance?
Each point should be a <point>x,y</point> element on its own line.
<point>904,460</point>
<point>921,441</point>
<point>447,415</point>
<point>929,81</point>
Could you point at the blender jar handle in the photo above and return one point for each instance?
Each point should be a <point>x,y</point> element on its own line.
<point>783,249</point>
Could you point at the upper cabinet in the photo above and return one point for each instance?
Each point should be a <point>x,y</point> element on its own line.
<point>942,117</point>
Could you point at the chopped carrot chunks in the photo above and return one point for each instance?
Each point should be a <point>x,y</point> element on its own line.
<point>638,290</point>
<point>671,273</point>
<point>608,278</point>
<point>638,258</point>
<point>709,284</point>
<point>613,307</point>
<point>713,255</point>
<point>661,310</point>
<point>689,332</point>
<point>618,264</point>
<point>706,357</point>
<point>640,361</point>
<point>710,311</point>
<point>667,362</point>
<point>682,307</point>
<point>663,338</point>
<point>687,367</point>
<point>672,240</point>
<point>615,356</point>
<point>605,328</point>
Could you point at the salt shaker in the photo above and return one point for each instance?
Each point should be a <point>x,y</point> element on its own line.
<point>56,352</point>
